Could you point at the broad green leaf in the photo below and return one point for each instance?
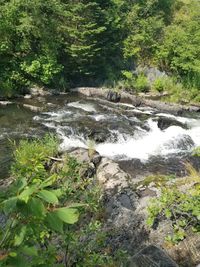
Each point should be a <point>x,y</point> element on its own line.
<point>9,205</point>
<point>48,182</point>
<point>54,222</point>
<point>36,207</point>
<point>57,192</point>
<point>13,254</point>
<point>27,193</point>
<point>21,183</point>
<point>30,251</point>
<point>48,196</point>
<point>20,237</point>
<point>67,215</point>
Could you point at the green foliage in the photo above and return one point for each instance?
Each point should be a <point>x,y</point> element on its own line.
<point>159,85</point>
<point>55,43</point>
<point>128,82</point>
<point>42,209</point>
<point>181,207</point>
<point>28,43</point>
<point>145,21</point>
<point>196,152</point>
<point>33,208</point>
<point>70,43</point>
<point>133,82</point>
<point>141,83</point>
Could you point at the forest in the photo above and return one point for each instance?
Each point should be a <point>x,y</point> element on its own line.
<point>63,43</point>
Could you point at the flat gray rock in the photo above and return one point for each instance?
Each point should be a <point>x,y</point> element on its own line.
<point>152,256</point>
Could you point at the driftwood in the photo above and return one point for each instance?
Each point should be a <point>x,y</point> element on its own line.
<point>56,159</point>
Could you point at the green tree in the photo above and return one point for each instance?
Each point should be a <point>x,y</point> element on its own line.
<point>146,21</point>
<point>180,52</point>
<point>29,42</point>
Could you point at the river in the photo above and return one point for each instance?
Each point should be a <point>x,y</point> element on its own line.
<point>120,131</point>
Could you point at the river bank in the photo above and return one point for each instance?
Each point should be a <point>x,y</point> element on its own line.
<point>124,213</point>
<point>126,205</point>
<point>137,100</point>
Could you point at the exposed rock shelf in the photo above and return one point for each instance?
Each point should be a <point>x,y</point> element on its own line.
<point>126,213</point>
<point>134,100</point>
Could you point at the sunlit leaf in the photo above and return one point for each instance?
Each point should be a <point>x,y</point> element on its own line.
<point>67,215</point>
<point>48,196</point>
<point>27,193</point>
<point>20,237</point>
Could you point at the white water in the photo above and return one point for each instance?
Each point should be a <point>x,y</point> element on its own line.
<point>138,143</point>
<point>155,142</point>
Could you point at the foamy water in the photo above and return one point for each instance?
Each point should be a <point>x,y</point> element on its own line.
<point>154,142</point>
<point>122,143</point>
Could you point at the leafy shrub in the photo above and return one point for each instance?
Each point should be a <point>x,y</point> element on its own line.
<point>33,208</point>
<point>159,85</point>
<point>12,83</point>
<point>178,52</point>
<point>42,207</point>
<point>44,68</point>
<point>128,81</point>
<point>141,83</point>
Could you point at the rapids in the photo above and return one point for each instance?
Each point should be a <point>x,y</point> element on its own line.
<point>119,131</point>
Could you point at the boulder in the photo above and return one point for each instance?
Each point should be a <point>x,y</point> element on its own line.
<point>184,142</point>
<point>187,251</point>
<point>113,96</point>
<point>152,256</point>
<point>83,155</point>
<point>111,176</point>
<point>194,109</point>
<point>124,226</point>
<point>99,136</point>
<point>90,91</point>
<point>164,123</point>
<point>38,91</point>
<point>134,100</point>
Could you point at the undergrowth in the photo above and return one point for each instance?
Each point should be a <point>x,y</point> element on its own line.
<point>51,212</point>
<point>179,202</point>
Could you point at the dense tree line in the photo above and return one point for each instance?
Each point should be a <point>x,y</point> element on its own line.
<point>62,43</point>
